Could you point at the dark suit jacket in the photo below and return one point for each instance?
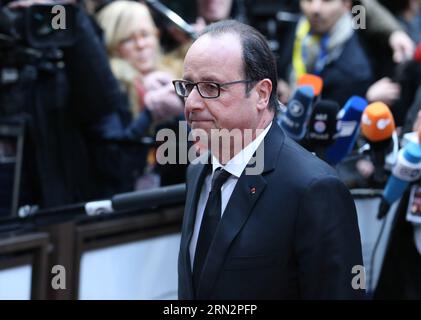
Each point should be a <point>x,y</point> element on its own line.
<point>400,276</point>
<point>296,237</point>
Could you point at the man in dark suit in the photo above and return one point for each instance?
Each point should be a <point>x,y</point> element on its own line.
<point>287,230</point>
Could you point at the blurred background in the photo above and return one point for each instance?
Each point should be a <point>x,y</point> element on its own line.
<point>82,100</point>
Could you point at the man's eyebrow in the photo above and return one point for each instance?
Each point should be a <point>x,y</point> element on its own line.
<point>205,78</point>
<point>209,79</point>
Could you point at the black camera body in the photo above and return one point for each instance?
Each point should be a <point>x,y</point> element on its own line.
<point>38,26</point>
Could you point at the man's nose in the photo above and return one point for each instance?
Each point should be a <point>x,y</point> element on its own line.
<point>194,101</point>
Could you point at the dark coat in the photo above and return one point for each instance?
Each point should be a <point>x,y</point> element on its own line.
<point>350,74</point>
<point>296,237</point>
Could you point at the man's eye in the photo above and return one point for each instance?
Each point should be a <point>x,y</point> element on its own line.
<point>209,87</point>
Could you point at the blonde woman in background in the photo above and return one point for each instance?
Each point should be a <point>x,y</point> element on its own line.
<point>132,41</point>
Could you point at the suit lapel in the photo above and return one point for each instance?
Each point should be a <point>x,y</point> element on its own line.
<point>244,197</point>
<point>198,175</point>
<point>236,213</point>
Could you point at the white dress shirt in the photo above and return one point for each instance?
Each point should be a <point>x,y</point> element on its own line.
<point>235,166</point>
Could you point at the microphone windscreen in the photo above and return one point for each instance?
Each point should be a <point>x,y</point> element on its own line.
<point>323,123</point>
<point>311,80</point>
<point>349,118</point>
<point>294,121</point>
<point>407,169</point>
<point>377,123</point>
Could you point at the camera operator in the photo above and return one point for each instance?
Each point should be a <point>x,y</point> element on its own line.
<point>71,106</point>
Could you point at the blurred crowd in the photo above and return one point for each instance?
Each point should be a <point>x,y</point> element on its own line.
<point>90,110</point>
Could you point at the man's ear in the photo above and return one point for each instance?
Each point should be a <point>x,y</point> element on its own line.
<point>263,90</point>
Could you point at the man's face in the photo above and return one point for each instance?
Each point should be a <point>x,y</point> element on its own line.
<point>219,59</point>
<point>214,10</point>
<point>323,14</point>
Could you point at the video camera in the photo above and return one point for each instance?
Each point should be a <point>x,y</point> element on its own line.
<point>32,90</point>
<point>38,26</point>
<point>31,39</point>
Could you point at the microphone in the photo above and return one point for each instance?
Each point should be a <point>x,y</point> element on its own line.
<point>323,123</point>
<point>138,200</point>
<point>349,118</point>
<point>170,15</point>
<point>311,80</point>
<point>322,127</point>
<point>407,169</point>
<point>294,121</point>
<point>377,127</point>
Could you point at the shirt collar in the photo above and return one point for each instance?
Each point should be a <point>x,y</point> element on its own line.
<point>238,163</point>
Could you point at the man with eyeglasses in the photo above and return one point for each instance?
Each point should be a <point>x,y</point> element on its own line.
<point>288,231</point>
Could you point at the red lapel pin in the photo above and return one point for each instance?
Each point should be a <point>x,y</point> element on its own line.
<point>253,190</point>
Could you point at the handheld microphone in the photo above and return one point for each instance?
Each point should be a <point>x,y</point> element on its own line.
<point>311,80</point>
<point>294,121</point>
<point>377,123</point>
<point>407,169</point>
<point>138,200</point>
<point>349,118</point>
<point>377,127</point>
<point>323,123</point>
<point>322,128</point>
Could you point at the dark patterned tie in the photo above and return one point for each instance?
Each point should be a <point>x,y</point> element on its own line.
<point>210,220</point>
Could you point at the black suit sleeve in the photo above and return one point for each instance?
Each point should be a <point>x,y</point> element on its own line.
<point>95,90</point>
<point>327,243</point>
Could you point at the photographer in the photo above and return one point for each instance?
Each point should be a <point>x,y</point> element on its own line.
<point>78,143</point>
